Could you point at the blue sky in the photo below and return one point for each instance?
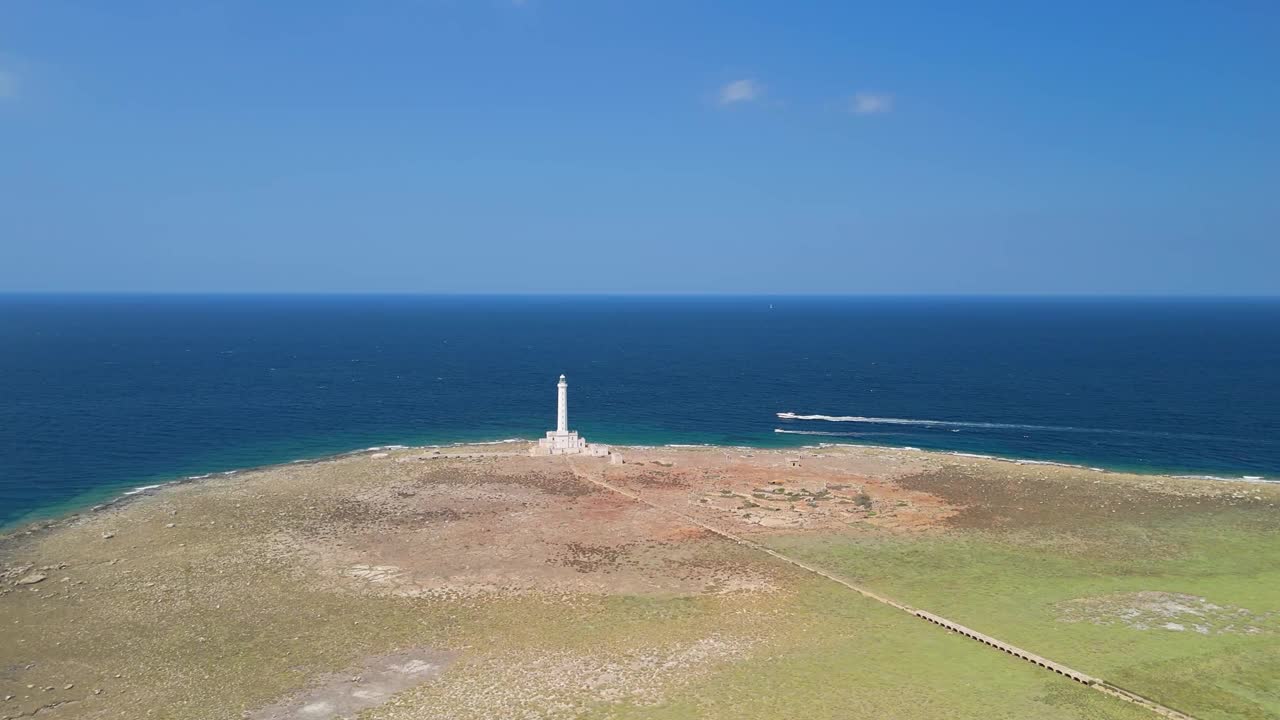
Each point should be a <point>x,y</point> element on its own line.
<point>606,146</point>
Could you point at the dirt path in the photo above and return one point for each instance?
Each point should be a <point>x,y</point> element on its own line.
<point>1095,683</point>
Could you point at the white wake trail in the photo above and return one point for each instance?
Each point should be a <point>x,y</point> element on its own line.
<point>934,423</point>
<point>960,424</point>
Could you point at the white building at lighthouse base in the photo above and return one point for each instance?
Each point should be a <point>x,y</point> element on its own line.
<point>569,443</point>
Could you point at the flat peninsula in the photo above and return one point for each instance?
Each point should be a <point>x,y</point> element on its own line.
<point>664,582</point>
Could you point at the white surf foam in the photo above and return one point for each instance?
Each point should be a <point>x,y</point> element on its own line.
<point>1242,478</point>
<point>1024,461</point>
<point>1019,461</point>
<point>143,488</point>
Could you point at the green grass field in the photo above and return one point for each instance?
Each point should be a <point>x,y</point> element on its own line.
<point>816,651</point>
<point>838,655</point>
<point>1018,585</point>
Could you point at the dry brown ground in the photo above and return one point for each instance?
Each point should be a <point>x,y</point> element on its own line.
<point>451,527</point>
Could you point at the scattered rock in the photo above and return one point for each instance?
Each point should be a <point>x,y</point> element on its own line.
<point>779,522</point>
<point>108,535</point>
<point>381,677</point>
<point>1147,610</point>
<point>17,571</point>
<point>32,579</point>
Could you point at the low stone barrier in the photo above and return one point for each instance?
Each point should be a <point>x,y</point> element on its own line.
<point>1006,647</point>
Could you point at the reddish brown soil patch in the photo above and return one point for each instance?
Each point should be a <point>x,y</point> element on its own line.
<point>591,558</point>
<point>769,492</point>
<point>446,526</point>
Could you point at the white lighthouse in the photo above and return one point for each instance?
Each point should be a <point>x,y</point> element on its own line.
<point>562,407</point>
<point>562,440</point>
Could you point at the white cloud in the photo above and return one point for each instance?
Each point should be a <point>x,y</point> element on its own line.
<point>864,103</point>
<point>740,91</point>
<point>8,85</point>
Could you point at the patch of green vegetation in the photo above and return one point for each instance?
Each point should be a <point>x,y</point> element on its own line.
<point>257,635</point>
<point>1013,584</point>
<point>838,655</point>
<point>812,649</point>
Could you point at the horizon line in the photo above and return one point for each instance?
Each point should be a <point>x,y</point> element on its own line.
<point>640,295</point>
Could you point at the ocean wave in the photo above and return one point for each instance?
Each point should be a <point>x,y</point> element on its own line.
<point>144,488</point>
<point>460,443</point>
<point>998,426</point>
<point>1242,478</point>
<point>1022,461</point>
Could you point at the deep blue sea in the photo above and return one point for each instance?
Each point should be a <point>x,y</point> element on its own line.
<point>103,393</point>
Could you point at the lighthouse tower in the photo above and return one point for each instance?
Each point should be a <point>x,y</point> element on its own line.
<point>562,440</point>
<point>562,407</point>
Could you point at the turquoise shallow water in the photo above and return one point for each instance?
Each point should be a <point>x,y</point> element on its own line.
<point>106,393</point>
